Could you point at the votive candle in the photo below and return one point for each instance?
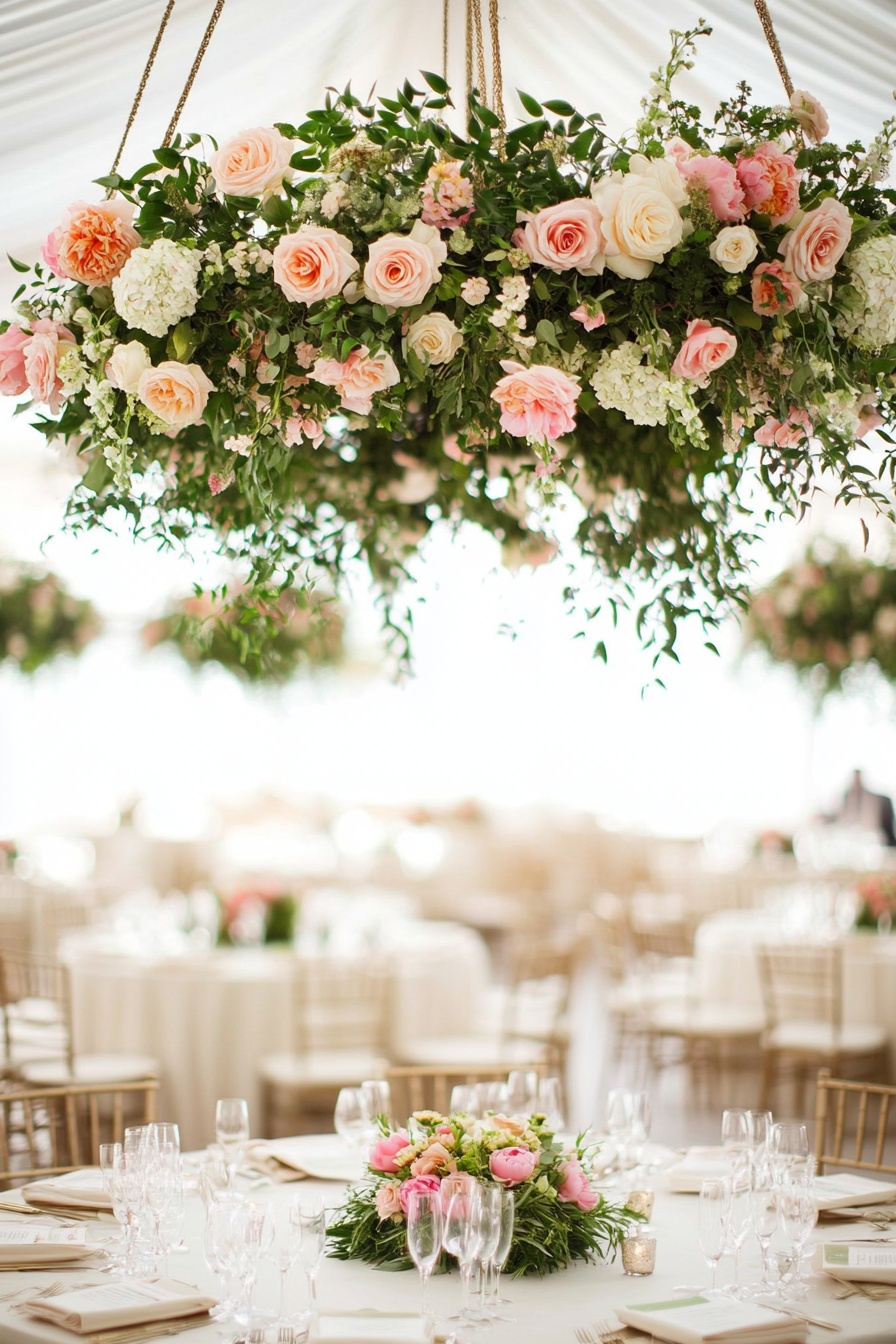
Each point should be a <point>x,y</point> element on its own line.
<point>641,1201</point>
<point>639,1255</point>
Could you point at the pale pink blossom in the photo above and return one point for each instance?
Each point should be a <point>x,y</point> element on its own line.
<point>789,433</point>
<point>176,393</point>
<point>575,1187</point>
<point>305,354</point>
<point>313,263</point>
<point>13,379</point>
<point>415,1186</point>
<point>41,362</point>
<point>717,177</point>
<point>358,378</point>
<point>451,447</point>
<point>474,290</point>
<point>218,483</point>
<point>771,182</point>
<point>401,269</point>
<point>566,237</point>
<point>49,254</point>
<point>774,290</point>
<point>388,1205</point>
<point>240,443</point>
<point>810,114</point>
<point>590,321</point>
<point>300,427</point>
<point>813,248</point>
<point>537,403</point>
<point>253,164</point>
<point>433,1158</point>
<point>705,349</point>
<point>447,196</point>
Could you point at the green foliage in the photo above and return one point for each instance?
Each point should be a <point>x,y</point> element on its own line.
<point>40,620</point>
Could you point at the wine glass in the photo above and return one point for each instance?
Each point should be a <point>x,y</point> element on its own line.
<point>735,1131</point>
<point>639,1126</point>
<point>165,1132</point>
<point>619,1111</point>
<point>425,1238</point>
<point>550,1103</point>
<point>232,1131</point>
<point>738,1216</point>
<point>312,1224</point>
<point>351,1117</point>
<point>759,1124</point>
<point>492,1096</point>
<point>522,1089</point>
<point>712,1225</point>
<point>377,1097</point>
<point>498,1258</point>
<point>788,1144</point>
<point>464,1100</point>
<point>462,1238</point>
<point>764,1209</point>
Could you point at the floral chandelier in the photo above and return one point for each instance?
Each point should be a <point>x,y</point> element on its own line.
<point>321,340</point>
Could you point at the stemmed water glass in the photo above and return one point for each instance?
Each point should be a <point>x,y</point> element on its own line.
<point>712,1227</point>
<point>735,1131</point>
<point>639,1127</point>
<point>522,1089</point>
<point>462,1238</point>
<point>464,1100</point>
<point>550,1103</point>
<point>223,1244</point>
<point>498,1259</point>
<point>764,1209</point>
<point>108,1155</point>
<point>788,1144</point>
<point>377,1097</point>
<point>351,1118</point>
<point>312,1224</point>
<point>619,1107</point>
<point>232,1131</point>
<point>738,1216</point>
<point>759,1124</point>
<point>799,1211</point>
<point>425,1238</point>
<point>257,1239</point>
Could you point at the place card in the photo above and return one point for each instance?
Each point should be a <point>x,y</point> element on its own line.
<point>36,1243</point>
<point>869,1262</point>
<point>700,1320</point>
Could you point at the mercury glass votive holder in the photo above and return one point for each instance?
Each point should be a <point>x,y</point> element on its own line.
<point>641,1201</point>
<point>639,1255</point>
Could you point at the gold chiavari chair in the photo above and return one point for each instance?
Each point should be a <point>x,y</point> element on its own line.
<point>851,1124</point>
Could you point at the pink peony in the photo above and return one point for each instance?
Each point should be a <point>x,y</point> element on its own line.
<point>313,263</point>
<point>417,1185</point>
<point>590,321</point>
<point>771,182</point>
<point>357,378</point>
<point>387,1201</point>
<point>382,1155</point>
<point>705,349</point>
<point>813,248</point>
<point>719,179</point>
<point>13,379</point>
<point>810,114</point>
<point>536,403</point>
<point>401,269</point>
<point>93,242</point>
<point>789,433</point>
<point>512,1166</point>
<point>447,196</point>
<point>566,237</point>
<point>576,1188</point>
<point>774,290</point>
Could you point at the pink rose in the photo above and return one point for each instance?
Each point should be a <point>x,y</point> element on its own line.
<point>417,1185</point>
<point>810,114</point>
<point>789,433</point>
<point>13,379</point>
<point>433,1157</point>
<point>93,242</point>
<point>451,447</point>
<point>252,164</point>
<point>387,1201</point>
<point>705,349</point>
<point>774,290</point>
<point>719,179</point>
<point>41,362</point>
<point>575,1188</point>
<point>566,237</point>
<point>382,1155</point>
<point>536,403</point>
<point>590,321</point>
<point>512,1166</point>
<point>813,248</point>
<point>313,263</point>
<point>771,182</point>
<point>401,269</point>
<point>357,378</point>
<point>177,393</point>
<point>49,255</point>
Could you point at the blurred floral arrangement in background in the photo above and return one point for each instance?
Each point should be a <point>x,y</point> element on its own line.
<point>39,618</point>
<point>255,914</point>
<point>826,617</point>
<point>877,897</point>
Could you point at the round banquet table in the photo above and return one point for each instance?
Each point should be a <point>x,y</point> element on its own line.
<point>208,1016</point>
<point>544,1311</point>
<point>726,966</point>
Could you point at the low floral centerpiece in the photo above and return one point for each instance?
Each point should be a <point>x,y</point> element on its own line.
<point>877,901</point>
<point>259,913</point>
<point>559,1216</point>
<point>40,620</point>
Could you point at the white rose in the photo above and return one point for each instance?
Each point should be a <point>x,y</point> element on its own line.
<point>664,173</point>
<point>125,365</point>
<point>434,338</point>
<point>640,223</point>
<point>733,248</point>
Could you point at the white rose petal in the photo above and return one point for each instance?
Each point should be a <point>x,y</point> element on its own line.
<point>734,247</point>
<point>434,338</point>
<point>125,365</point>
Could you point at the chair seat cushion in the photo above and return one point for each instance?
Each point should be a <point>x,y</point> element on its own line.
<point>332,1068</point>
<point>706,1020</point>
<point>820,1038</point>
<point>90,1069</point>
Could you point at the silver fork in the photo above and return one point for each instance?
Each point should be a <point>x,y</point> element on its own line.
<point>50,1291</point>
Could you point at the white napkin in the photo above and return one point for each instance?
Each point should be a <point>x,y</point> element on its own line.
<point>73,1190</point>
<point>379,1328</point>
<point>108,1306</point>
<point>323,1157</point>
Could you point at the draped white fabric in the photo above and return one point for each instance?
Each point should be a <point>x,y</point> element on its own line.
<point>68,71</point>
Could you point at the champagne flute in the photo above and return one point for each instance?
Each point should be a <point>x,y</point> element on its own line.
<point>738,1214</point>
<point>712,1226</point>
<point>619,1110</point>
<point>287,1239</point>
<point>425,1238</point>
<point>735,1131</point>
<point>764,1209</point>
<point>499,1258</point>
<point>798,1214</point>
<point>232,1131</point>
<point>639,1126</point>
<point>759,1124</point>
<point>462,1237</point>
<point>490,1235</point>
<point>312,1225</point>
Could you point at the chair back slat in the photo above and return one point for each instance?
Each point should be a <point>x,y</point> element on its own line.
<point>861,1113</point>
<point>802,984</point>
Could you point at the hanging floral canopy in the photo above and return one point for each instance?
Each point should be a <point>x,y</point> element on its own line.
<point>319,341</point>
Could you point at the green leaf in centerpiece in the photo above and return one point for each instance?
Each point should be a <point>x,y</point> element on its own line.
<point>742,314</point>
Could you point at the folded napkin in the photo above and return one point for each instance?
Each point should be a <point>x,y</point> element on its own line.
<point>323,1157</point>
<point>698,1165</point>
<point>701,1320</point>
<point>845,1191</point>
<point>112,1306</point>
<point>865,1262</point>
<point>74,1190</point>
<point>33,1243</point>
<point>357,1327</point>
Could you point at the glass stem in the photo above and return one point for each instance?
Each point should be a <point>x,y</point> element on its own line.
<point>737,1270</point>
<point>715,1266</point>
<point>424,1277</point>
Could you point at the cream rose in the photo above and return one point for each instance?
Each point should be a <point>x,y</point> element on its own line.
<point>813,248</point>
<point>126,365</point>
<point>401,268</point>
<point>434,338</point>
<point>640,223</point>
<point>664,172</point>
<point>313,263</point>
<point>253,164</point>
<point>734,248</point>
<point>176,393</point>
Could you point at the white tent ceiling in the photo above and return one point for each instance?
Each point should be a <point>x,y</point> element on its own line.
<point>68,70</point>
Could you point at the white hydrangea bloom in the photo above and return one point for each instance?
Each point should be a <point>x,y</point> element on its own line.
<point>622,383</point>
<point>870,319</point>
<point>156,287</point>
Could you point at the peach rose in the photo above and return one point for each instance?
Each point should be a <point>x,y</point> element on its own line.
<point>770,181</point>
<point>176,393</point>
<point>810,114</point>
<point>812,249</point>
<point>401,269</point>
<point>93,242</point>
<point>253,164</point>
<point>536,403</point>
<point>575,1188</point>
<point>639,221</point>
<point>512,1166</point>
<point>388,1205</point>
<point>705,349</point>
<point>313,263</point>
<point>433,1157</point>
<point>718,179</point>
<point>13,379</point>
<point>41,361</point>
<point>774,290</point>
<point>357,378</point>
<point>566,237</point>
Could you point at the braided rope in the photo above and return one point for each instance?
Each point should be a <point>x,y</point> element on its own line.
<point>194,70</point>
<point>138,97</point>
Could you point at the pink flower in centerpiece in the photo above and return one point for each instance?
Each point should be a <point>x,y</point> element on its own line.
<point>455,1183</point>
<point>417,1185</point>
<point>382,1155</point>
<point>718,179</point>
<point>575,1188</point>
<point>452,449</point>
<point>49,255</point>
<point>566,237</point>
<point>41,361</point>
<point>387,1201</point>
<point>93,242</point>
<point>771,182</point>
<point>536,403</point>
<point>810,114</point>
<point>13,379</point>
<point>474,290</point>
<point>357,378</point>
<point>590,321</point>
<point>705,349</point>
<point>812,249</point>
<point>447,196</point>
<point>433,1157</point>
<point>313,263</point>
<point>774,289</point>
<point>789,433</point>
<point>253,164</point>
<point>401,269</point>
<point>512,1166</point>
<point>217,484</point>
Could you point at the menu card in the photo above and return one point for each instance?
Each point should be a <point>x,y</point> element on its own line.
<point>701,1320</point>
<point>868,1262</point>
<point>74,1189</point>
<point>847,1191</point>
<point>108,1306</point>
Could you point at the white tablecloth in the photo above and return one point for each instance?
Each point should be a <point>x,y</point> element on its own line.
<point>726,967</point>
<point>208,1017</point>
<point>545,1311</point>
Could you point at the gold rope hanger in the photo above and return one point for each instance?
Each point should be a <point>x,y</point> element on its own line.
<point>772,38</point>
<point>138,97</point>
<point>194,70</point>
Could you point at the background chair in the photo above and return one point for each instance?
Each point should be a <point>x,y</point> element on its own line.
<point>802,991</point>
<point>47,1131</point>
<point>863,1111</point>
<point>428,1088</point>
